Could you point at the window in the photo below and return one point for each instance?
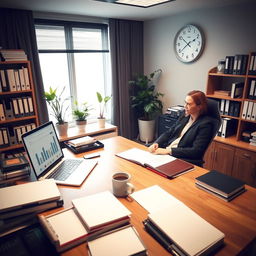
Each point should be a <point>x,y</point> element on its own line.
<point>75,56</point>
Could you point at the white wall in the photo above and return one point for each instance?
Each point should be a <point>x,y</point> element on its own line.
<point>228,31</point>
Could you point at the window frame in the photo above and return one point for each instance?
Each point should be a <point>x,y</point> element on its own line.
<point>68,25</point>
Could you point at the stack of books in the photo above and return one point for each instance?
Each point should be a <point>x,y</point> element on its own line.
<point>13,169</point>
<point>83,144</point>
<point>253,139</point>
<point>175,226</point>
<point>222,93</point>
<point>90,217</point>
<point>21,203</point>
<point>13,55</point>
<point>220,185</point>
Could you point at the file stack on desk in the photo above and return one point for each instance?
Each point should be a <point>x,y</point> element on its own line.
<point>175,226</point>
<point>14,168</point>
<point>21,201</point>
<point>90,216</point>
<point>83,144</point>
<point>220,185</point>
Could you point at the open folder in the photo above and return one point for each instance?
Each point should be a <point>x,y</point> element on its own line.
<point>165,165</point>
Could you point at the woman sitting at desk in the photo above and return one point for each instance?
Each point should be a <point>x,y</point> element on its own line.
<point>190,136</point>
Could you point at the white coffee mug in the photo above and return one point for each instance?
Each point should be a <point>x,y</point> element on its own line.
<point>121,185</point>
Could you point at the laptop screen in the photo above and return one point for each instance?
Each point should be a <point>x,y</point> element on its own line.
<point>43,148</point>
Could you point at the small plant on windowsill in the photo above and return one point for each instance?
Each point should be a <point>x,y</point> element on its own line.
<point>102,104</point>
<point>59,109</point>
<point>81,112</point>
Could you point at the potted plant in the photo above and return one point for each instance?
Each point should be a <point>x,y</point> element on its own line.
<point>147,103</point>
<point>59,108</point>
<point>81,112</point>
<point>102,104</point>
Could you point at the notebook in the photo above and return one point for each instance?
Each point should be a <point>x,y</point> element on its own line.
<point>47,159</point>
<point>164,165</point>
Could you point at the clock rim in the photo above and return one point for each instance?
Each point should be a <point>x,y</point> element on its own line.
<point>202,45</point>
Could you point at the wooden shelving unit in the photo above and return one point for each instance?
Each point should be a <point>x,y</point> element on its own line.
<point>231,155</point>
<point>25,118</point>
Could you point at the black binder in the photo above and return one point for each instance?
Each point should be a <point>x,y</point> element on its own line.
<point>84,148</point>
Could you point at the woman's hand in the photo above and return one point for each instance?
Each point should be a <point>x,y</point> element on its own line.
<point>162,151</point>
<point>153,148</point>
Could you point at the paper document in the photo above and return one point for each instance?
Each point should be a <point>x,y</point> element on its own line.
<point>154,198</point>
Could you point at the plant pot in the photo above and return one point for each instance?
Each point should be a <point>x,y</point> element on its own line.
<point>146,130</point>
<point>62,129</point>
<point>101,122</point>
<point>81,125</point>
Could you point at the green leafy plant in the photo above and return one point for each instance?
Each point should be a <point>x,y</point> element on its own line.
<point>81,112</point>
<point>146,100</point>
<point>57,104</point>
<point>102,101</point>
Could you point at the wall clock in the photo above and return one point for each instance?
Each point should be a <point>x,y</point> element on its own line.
<point>188,43</point>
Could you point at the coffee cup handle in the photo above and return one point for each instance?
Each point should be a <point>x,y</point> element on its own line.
<point>130,188</point>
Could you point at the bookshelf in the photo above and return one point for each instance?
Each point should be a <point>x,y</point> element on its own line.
<point>18,109</point>
<point>226,154</point>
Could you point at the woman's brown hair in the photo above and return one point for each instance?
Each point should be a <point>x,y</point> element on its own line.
<point>200,100</point>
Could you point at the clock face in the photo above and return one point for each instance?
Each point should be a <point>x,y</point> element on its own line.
<point>188,43</point>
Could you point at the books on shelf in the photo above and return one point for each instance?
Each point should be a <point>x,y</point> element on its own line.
<point>183,232</point>
<point>89,217</point>
<point>236,65</point>
<point>222,92</point>
<point>123,241</point>
<point>228,127</point>
<point>252,64</point>
<point>13,55</point>
<point>19,199</point>
<point>237,90</point>
<point>14,175</point>
<point>221,185</point>
<point>15,163</point>
<point>165,165</point>
<point>253,139</point>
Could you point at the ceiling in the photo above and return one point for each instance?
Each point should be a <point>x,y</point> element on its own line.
<point>92,8</point>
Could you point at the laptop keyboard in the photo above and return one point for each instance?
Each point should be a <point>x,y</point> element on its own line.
<point>65,169</point>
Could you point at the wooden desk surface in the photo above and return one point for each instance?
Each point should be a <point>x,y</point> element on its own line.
<point>236,219</point>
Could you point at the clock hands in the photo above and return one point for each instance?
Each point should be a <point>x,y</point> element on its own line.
<point>187,44</point>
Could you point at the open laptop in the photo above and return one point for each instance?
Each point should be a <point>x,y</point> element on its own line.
<point>47,158</point>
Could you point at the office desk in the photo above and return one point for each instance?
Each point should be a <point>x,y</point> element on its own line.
<point>236,219</point>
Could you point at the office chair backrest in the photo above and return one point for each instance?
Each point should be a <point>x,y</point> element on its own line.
<point>213,111</point>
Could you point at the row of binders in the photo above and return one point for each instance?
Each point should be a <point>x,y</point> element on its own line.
<point>236,65</point>
<point>229,107</point>
<point>252,64</point>
<point>13,55</point>
<point>227,127</point>
<point>249,110</point>
<point>252,90</point>
<point>14,80</point>
<point>16,107</point>
<point>12,135</point>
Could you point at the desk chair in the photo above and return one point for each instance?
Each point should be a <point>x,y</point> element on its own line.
<point>213,111</point>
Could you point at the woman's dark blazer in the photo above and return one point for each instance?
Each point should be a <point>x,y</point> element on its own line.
<point>194,142</point>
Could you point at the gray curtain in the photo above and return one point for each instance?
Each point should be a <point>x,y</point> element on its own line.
<point>126,46</point>
<point>17,31</point>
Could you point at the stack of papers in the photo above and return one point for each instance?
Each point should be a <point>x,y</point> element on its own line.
<point>82,141</point>
<point>91,215</point>
<point>174,225</point>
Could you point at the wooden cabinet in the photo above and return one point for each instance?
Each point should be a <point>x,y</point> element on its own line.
<point>17,103</point>
<point>237,162</point>
<point>219,157</point>
<point>244,166</point>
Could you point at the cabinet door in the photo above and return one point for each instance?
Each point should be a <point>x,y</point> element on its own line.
<point>208,156</point>
<point>245,166</point>
<point>223,158</point>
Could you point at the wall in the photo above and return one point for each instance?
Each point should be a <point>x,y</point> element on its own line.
<point>228,31</point>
